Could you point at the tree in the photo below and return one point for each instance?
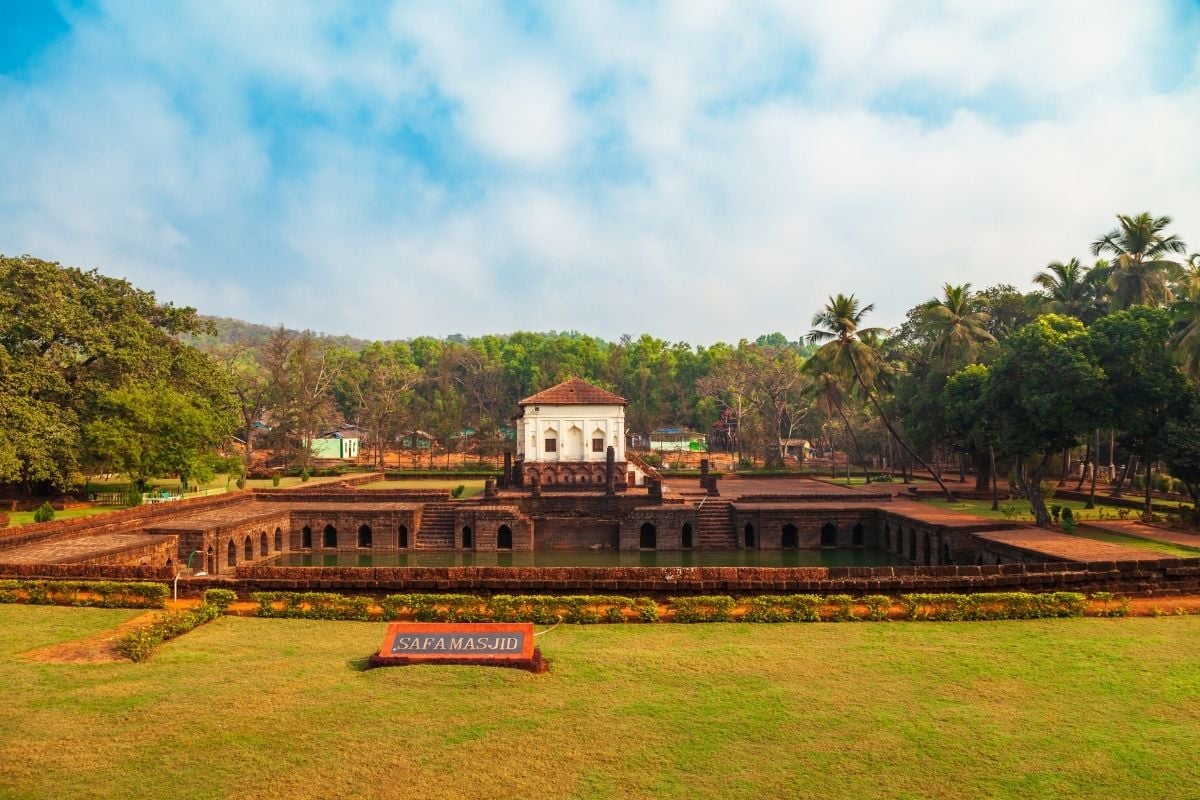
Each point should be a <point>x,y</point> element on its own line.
<point>1073,289</point>
<point>1181,450</point>
<point>961,328</point>
<point>1042,394</point>
<point>1144,385</point>
<point>1140,246</point>
<point>1185,316</point>
<point>968,425</point>
<point>838,329</point>
<point>301,374</point>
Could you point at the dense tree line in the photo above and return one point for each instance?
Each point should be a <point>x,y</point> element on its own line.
<point>1102,358</point>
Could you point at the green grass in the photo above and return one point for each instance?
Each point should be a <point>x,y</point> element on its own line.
<point>248,708</point>
<point>983,508</point>
<point>26,517</point>
<point>1155,547</point>
<point>473,485</point>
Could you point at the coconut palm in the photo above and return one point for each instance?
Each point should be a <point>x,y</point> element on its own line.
<point>1185,311</point>
<point>829,393</point>
<point>1073,289</point>
<point>1139,246</point>
<point>962,329</point>
<point>838,329</point>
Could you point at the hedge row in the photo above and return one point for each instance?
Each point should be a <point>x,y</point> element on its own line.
<point>138,644</point>
<point>417,474</point>
<point>586,609</point>
<point>100,594</point>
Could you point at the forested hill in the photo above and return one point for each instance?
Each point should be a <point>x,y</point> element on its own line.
<point>251,334</point>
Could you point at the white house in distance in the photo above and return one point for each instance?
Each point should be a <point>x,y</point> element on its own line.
<point>564,432</point>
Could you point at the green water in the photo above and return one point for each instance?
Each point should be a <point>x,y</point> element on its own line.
<point>588,558</point>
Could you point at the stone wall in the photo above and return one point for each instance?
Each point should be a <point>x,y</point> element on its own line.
<point>382,534</point>
<point>659,528</point>
<point>486,522</point>
<point>577,533</point>
<point>811,528</point>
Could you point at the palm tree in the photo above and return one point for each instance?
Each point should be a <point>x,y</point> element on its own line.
<point>838,329</point>
<point>962,328</point>
<point>1185,311</point>
<point>1071,288</point>
<point>827,390</point>
<point>1140,269</point>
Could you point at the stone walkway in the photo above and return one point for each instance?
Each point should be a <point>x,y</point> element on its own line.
<point>65,551</point>
<point>1153,533</point>
<point>1071,548</point>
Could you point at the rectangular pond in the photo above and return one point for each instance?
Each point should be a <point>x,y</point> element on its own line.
<point>590,558</point>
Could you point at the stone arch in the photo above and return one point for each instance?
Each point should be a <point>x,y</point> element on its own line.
<point>248,548</point>
<point>210,561</point>
<point>402,539</point>
<point>858,535</point>
<point>468,538</point>
<point>887,536</point>
<point>231,554</point>
<point>748,537</point>
<point>829,535</point>
<point>912,544</point>
<point>789,537</point>
<point>597,434</point>
<point>306,537</point>
<point>551,441</point>
<point>364,535</point>
<point>264,548</point>
<point>648,536</point>
<point>946,554</point>
<point>278,540</point>
<point>504,538</point>
<point>927,553</point>
<point>685,536</point>
<point>329,537</point>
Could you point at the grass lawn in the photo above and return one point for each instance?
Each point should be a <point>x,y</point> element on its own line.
<point>1165,548</point>
<point>473,485</point>
<point>1018,510</point>
<point>26,517</point>
<point>250,708</point>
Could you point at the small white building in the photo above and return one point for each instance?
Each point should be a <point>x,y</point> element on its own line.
<point>564,432</point>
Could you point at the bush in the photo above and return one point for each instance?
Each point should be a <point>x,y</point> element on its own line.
<point>44,513</point>
<point>221,598</point>
<point>133,496</point>
<point>304,476</point>
<point>878,606</point>
<point>101,594</point>
<point>843,610</point>
<point>539,609</point>
<point>992,606</point>
<point>703,608</point>
<point>1107,609</point>
<point>275,479</point>
<point>783,608</point>
<point>457,491</point>
<point>311,605</point>
<point>138,644</point>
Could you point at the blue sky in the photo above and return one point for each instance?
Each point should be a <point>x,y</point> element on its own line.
<point>696,170</point>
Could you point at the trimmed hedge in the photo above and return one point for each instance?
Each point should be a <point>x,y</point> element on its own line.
<point>221,598</point>
<point>111,594</point>
<point>138,644</point>
<point>311,605</point>
<point>590,609</point>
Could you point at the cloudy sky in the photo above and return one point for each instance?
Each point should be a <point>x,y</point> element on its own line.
<point>695,170</point>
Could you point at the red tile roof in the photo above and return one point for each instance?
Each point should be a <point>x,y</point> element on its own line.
<point>574,392</point>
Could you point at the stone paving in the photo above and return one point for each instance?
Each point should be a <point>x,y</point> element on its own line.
<point>64,551</point>
<point>1071,548</point>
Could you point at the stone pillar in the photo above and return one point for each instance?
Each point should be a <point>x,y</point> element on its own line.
<point>610,477</point>
<point>711,486</point>
<point>655,488</point>
<point>507,476</point>
<point>518,473</point>
<point>535,486</point>
<point>489,488</point>
<point>703,473</point>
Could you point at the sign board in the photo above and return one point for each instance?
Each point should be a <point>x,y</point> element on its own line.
<point>488,644</point>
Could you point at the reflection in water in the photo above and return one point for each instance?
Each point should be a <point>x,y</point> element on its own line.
<point>588,558</point>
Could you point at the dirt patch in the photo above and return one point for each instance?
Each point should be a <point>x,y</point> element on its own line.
<point>95,649</point>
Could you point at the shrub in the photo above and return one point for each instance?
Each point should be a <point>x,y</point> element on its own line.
<point>138,644</point>
<point>220,598</point>
<point>275,479</point>
<point>111,594</point>
<point>457,491</point>
<point>304,476</point>
<point>703,608</point>
<point>133,496</point>
<point>241,483</point>
<point>992,606</point>
<point>843,610</point>
<point>878,606</point>
<point>1107,609</point>
<point>44,513</point>
<point>783,608</point>
<point>311,605</point>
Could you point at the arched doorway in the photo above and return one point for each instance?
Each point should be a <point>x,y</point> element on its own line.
<point>329,538</point>
<point>685,536</point>
<point>748,537</point>
<point>248,548</point>
<point>504,538</point>
<point>278,540</point>
<point>648,537</point>
<point>829,535</point>
<point>364,535</point>
<point>927,555</point>
<point>573,445</point>
<point>306,537</point>
<point>403,543</point>
<point>789,537</point>
<point>231,554</point>
<point>946,554</point>
<point>468,538</point>
<point>263,547</point>
<point>858,536</point>
<point>887,536</point>
<point>912,544</point>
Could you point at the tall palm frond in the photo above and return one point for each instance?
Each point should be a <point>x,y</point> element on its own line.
<point>1141,267</point>
<point>962,329</point>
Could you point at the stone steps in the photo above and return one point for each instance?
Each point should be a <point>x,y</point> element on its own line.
<point>714,524</point>
<point>437,527</point>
